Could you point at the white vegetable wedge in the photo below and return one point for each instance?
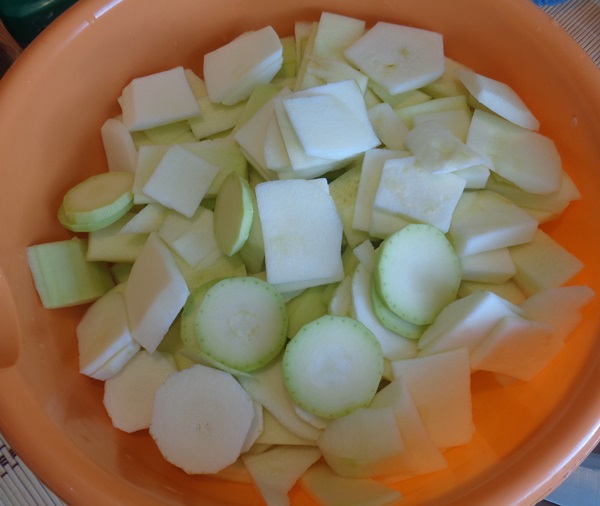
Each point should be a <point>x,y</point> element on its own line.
<point>560,307</point>
<point>103,332</point>
<point>332,490</point>
<point>332,366</point>
<point>180,180</point>
<point>365,444</point>
<point>193,239</point>
<point>466,322</point>
<point>158,99</point>
<point>200,419</point>
<point>370,176</point>
<point>148,219</point>
<point>274,433</point>
<point>129,395</point>
<point>438,150</point>
<point>276,470</point>
<point>408,190</point>
<point>399,58</point>
<point>239,65</point>
<point>426,456</point>
<point>302,234</point>
<point>543,263</point>
<point>388,126</point>
<point>110,244</point>
<point>485,221</point>
<point>517,347</point>
<point>495,266</point>
<point>525,158</point>
<point>154,294</point>
<point>331,121</point>
<point>439,384</point>
<point>120,150</point>
<point>499,98</point>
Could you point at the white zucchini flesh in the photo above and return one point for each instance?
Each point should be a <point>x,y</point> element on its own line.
<point>543,263</point>
<point>388,126</point>
<point>457,121</point>
<point>332,366</point>
<point>333,490</point>
<point>438,150</point>
<point>276,470</point>
<point>440,385</point>
<point>302,234</point>
<point>266,386</point>
<point>558,306</point>
<point>180,180</point>
<point>453,103</point>
<point>148,219</point>
<point>242,323</point>
<point>155,292</point>
<point>331,121</point>
<point>238,65</point>
<point>149,156</point>
<point>485,221</point>
<point>200,419</point>
<point>193,239</point>
<point>409,190</point>
<point>365,444</point>
<point>115,363</point>
<point>466,322</point>
<point>370,176</point>
<point>102,332</point>
<point>274,433</point>
<point>399,58</point>
<point>525,158</point>
<point>158,99</point>
<point>517,347</point>
<point>426,456</point>
<point>418,273</point>
<point>120,150</point>
<point>129,394</point>
<point>335,33</point>
<point>225,154</point>
<point>110,244</point>
<point>495,266</point>
<point>498,97</point>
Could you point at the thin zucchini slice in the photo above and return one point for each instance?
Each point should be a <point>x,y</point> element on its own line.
<point>333,366</point>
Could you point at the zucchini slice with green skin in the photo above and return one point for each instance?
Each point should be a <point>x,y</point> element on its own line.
<point>417,273</point>
<point>234,211</point>
<point>242,323</point>
<point>99,198</point>
<point>333,366</point>
<point>392,321</point>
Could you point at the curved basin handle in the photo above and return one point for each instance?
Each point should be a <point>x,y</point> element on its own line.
<point>10,333</point>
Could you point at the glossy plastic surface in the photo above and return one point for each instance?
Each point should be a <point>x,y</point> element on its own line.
<point>53,102</point>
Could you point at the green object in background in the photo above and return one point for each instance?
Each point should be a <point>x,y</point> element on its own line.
<point>25,19</point>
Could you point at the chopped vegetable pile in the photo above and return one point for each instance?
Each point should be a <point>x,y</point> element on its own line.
<point>295,263</point>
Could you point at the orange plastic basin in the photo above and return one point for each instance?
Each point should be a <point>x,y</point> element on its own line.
<point>52,104</point>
